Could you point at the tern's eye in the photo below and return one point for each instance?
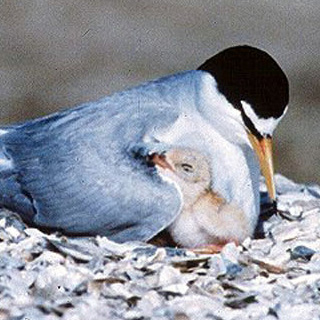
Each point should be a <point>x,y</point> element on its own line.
<point>187,167</point>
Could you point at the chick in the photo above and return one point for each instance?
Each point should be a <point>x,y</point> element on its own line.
<point>206,221</point>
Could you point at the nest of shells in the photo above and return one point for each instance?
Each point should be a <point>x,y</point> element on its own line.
<point>276,276</point>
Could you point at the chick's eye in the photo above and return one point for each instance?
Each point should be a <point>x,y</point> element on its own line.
<point>187,167</point>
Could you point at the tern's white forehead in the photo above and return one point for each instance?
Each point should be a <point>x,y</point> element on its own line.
<point>264,126</point>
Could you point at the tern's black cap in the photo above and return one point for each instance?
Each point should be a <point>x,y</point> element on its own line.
<point>245,73</point>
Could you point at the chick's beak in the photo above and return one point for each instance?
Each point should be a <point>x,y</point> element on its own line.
<point>160,160</point>
<point>263,149</point>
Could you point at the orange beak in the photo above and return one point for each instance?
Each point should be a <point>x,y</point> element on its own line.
<point>263,149</point>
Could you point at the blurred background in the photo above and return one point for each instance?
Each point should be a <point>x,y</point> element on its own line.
<point>55,54</point>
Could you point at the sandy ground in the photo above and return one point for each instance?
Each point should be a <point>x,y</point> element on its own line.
<point>55,54</point>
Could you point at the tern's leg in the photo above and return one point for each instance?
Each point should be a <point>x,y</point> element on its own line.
<point>212,248</point>
<point>208,249</point>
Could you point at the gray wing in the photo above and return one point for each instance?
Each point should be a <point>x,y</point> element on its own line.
<point>73,171</point>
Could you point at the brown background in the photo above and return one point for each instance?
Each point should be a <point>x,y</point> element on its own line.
<point>56,54</point>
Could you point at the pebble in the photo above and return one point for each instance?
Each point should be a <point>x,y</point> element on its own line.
<point>302,252</point>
